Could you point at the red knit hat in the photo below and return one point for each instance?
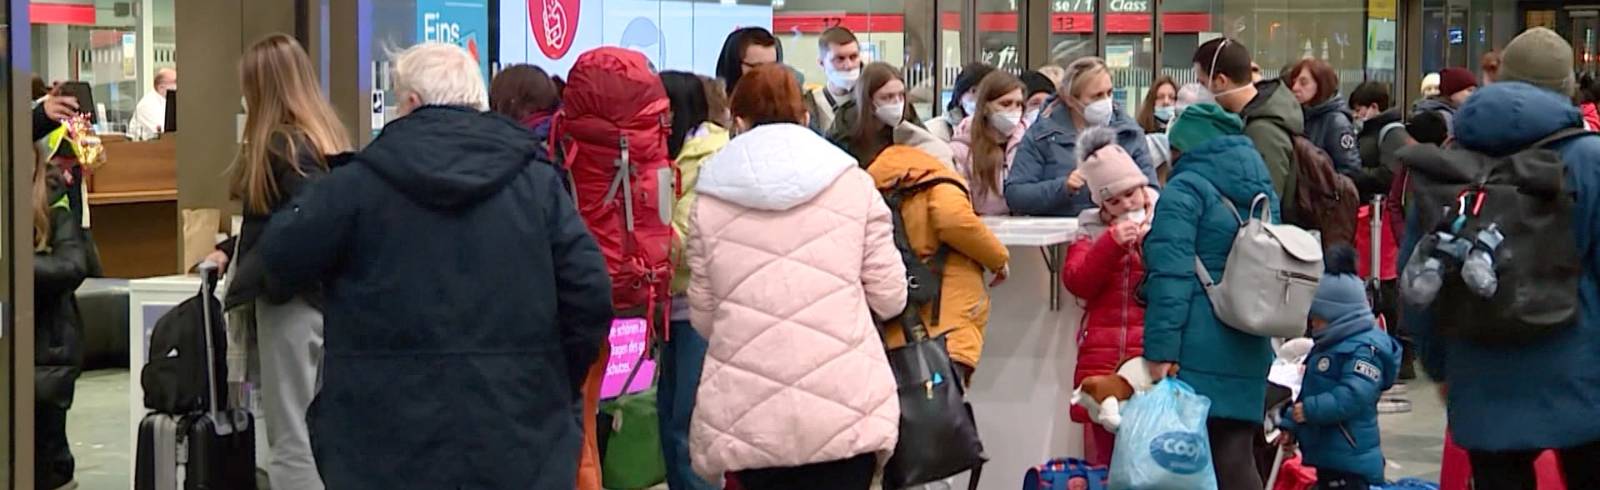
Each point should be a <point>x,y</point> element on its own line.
<point>1453,80</point>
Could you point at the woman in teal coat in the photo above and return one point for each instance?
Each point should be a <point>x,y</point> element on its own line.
<point>1215,162</point>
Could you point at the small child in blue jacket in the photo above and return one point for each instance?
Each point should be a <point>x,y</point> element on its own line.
<point>1336,418</point>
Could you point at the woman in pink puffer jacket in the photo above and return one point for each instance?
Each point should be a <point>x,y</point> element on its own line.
<point>791,255</point>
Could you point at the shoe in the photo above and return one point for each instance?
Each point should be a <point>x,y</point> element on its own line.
<point>1394,405</point>
<point>1397,389</point>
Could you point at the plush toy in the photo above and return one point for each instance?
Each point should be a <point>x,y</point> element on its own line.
<point>1102,396</point>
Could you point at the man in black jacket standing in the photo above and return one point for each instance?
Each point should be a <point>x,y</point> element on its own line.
<point>465,298</point>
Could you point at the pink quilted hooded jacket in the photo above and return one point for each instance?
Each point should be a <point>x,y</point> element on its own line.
<point>791,252</point>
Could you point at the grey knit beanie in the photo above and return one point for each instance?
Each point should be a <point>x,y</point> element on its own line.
<point>1540,57</point>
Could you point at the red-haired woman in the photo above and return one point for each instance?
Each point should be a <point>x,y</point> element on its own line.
<point>791,254</point>
<point>1329,123</point>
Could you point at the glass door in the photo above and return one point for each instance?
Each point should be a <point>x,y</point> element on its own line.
<point>16,346</point>
<point>1586,39</point>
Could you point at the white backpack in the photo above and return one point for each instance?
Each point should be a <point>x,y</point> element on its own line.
<point>1271,276</point>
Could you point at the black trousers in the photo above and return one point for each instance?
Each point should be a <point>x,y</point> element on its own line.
<point>53,464</point>
<point>1513,470</point>
<point>845,474</point>
<point>1233,453</point>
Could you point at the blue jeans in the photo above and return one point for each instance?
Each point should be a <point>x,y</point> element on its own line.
<point>681,360</point>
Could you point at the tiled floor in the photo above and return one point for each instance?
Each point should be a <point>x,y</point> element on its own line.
<point>98,427</point>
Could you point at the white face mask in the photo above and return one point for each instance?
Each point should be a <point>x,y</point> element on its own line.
<point>1005,122</point>
<point>969,106</point>
<point>843,80</point>
<point>1098,113</point>
<point>891,114</point>
<point>1135,216</point>
<point>1031,116</point>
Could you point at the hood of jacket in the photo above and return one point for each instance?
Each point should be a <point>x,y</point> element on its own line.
<point>1335,104</point>
<point>709,138</point>
<point>1275,103</point>
<point>1374,124</point>
<point>773,167</point>
<point>1503,118</point>
<point>1231,164</point>
<point>1435,103</point>
<point>912,135</point>
<point>904,165</point>
<point>449,157</point>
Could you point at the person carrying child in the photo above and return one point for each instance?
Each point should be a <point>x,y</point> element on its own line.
<point>1335,420</point>
<point>1104,267</point>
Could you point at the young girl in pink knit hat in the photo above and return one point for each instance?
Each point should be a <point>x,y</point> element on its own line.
<point>1104,268</point>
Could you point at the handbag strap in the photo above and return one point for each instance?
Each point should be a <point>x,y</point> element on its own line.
<point>977,474</point>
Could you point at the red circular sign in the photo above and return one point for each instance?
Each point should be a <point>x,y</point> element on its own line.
<point>555,25</point>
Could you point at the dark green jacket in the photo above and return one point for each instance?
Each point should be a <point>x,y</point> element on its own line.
<point>1271,120</point>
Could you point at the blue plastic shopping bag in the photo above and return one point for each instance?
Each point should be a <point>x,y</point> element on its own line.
<point>1162,443</point>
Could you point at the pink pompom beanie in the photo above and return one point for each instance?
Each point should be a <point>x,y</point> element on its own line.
<point>1109,171</point>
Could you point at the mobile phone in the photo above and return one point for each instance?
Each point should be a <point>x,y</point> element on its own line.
<point>85,95</point>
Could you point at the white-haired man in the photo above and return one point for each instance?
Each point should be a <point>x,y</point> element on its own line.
<point>150,116</point>
<point>465,297</point>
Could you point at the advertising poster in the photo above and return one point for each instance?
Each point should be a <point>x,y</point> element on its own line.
<point>463,23</point>
<point>630,337</point>
<point>673,34</point>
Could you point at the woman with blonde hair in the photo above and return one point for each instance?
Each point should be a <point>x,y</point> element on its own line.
<point>290,131</point>
<point>986,141</point>
<point>1044,178</point>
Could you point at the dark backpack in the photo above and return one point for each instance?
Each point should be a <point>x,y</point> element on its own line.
<point>1538,265</point>
<point>1324,199</point>
<point>174,379</point>
<point>924,280</point>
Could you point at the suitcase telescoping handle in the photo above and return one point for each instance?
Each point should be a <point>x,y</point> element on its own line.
<point>208,289</point>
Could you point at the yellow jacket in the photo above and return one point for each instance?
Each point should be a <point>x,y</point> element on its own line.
<point>705,142</point>
<point>943,214</point>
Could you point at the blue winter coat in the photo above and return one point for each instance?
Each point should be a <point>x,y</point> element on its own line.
<point>1222,363</point>
<point>1352,364</point>
<point>1037,183</point>
<point>465,301</point>
<point>1545,394</point>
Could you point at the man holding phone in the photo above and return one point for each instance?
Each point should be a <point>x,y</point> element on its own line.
<point>48,114</point>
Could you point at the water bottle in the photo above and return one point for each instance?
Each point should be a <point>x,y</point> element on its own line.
<point>1478,271</point>
<point>1421,278</point>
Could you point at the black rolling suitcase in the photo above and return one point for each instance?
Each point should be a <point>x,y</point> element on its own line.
<point>188,442</point>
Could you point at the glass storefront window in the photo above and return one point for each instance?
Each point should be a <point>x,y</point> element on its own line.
<point>1071,30</point>
<point>102,46</point>
<point>950,55</point>
<point>1000,35</point>
<point>1130,51</point>
<point>1279,33</point>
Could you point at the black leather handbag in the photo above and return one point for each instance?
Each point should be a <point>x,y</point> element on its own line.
<point>938,434</point>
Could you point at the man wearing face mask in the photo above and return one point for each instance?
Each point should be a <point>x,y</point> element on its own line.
<point>1039,92</point>
<point>1271,114</point>
<point>840,58</point>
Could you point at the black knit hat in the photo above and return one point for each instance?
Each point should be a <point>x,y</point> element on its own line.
<point>1037,83</point>
<point>967,80</point>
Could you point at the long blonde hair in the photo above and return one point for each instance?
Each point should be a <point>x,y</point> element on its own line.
<point>283,99</point>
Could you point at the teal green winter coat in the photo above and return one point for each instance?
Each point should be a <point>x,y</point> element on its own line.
<point>1225,365</point>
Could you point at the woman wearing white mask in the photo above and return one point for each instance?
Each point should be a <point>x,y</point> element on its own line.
<point>986,142</point>
<point>1043,179</point>
<point>880,117</point>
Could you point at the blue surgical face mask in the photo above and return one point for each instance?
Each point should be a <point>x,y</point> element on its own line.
<point>1164,113</point>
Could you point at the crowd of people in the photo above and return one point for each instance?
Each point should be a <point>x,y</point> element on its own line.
<point>402,346</point>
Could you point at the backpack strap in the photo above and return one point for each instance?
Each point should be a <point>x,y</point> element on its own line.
<point>1383,134</point>
<point>1559,136</point>
<point>911,322</point>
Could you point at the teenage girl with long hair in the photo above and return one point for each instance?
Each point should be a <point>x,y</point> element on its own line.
<point>290,131</point>
<point>986,142</point>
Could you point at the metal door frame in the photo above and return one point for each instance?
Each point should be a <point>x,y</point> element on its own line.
<point>16,279</point>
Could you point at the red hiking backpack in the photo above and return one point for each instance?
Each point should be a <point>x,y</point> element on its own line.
<point>611,137</point>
